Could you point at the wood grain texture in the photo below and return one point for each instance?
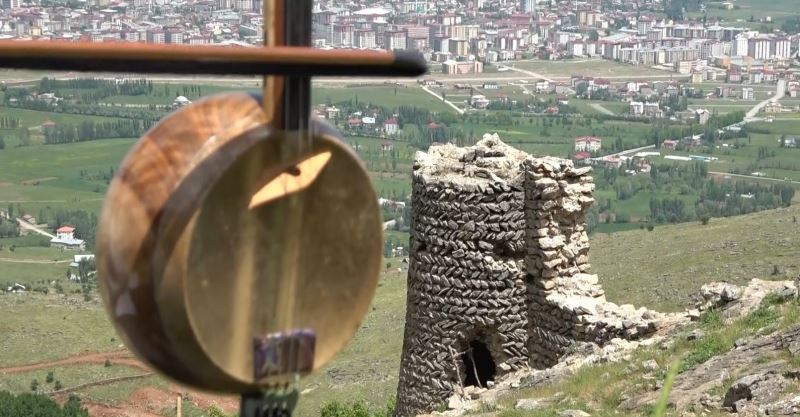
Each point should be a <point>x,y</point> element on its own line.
<point>144,182</point>
<point>176,59</point>
<point>192,273</point>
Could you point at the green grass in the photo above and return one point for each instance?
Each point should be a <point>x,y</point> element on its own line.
<point>638,206</point>
<point>756,8</point>
<point>60,165</point>
<point>32,118</point>
<point>119,392</point>
<point>368,367</point>
<point>590,106</point>
<point>616,227</point>
<point>69,376</point>
<point>164,94</point>
<point>599,389</point>
<point>785,163</point>
<point>664,268</point>
<point>38,328</point>
<point>391,97</point>
<point>34,266</point>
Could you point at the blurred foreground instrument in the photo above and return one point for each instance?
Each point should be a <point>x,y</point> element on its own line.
<point>240,241</point>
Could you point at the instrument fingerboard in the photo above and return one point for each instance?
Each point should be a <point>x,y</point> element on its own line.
<point>284,353</point>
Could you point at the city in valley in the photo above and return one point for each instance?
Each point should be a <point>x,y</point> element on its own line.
<point>684,115</point>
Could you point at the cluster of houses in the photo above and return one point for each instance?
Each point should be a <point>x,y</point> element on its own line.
<point>588,146</point>
<point>367,123</point>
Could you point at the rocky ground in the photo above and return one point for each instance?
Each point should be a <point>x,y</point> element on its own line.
<point>736,354</point>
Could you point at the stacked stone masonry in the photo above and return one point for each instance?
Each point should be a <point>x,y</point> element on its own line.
<point>499,255</point>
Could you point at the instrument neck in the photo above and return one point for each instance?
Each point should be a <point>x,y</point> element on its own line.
<point>287,100</point>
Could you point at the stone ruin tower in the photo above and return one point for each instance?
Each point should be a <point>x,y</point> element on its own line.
<point>498,278</point>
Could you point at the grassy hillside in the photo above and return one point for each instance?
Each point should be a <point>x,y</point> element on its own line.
<point>663,268</point>
<point>659,269</point>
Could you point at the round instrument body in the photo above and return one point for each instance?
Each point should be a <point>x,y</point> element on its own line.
<point>223,242</point>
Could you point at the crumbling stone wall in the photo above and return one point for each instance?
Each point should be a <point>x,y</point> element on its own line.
<point>499,254</point>
<point>565,303</point>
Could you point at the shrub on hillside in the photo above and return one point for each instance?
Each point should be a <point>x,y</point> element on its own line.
<point>39,406</point>
<point>356,409</point>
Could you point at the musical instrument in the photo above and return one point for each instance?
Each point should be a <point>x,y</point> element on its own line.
<point>241,240</point>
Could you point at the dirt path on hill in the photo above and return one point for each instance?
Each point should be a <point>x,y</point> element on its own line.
<point>33,261</point>
<point>117,357</point>
<point>601,109</point>
<point>147,401</point>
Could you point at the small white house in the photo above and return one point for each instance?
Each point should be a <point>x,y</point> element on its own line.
<point>181,101</point>
<point>332,112</point>
<point>16,288</point>
<point>588,144</point>
<point>391,126</point>
<point>65,239</point>
<point>76,260</point>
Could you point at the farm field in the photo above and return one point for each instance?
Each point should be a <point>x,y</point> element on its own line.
<point>593,67</point>
<point>745,159</point>
<point>165,93</point>
<point>33,266</point>
<point>391,96</point>
<point>50,174</point>
<point>779,10</point>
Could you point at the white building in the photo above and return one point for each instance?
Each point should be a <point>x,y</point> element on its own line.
<point>588,144</point>
<point>65,239</point>
<point>747,94</point>
<point>181,101</point>
<point>781,48</point>
<point>759,48</point>
<point>76,260</point>
<point>529,6</point>
<point>365,39</point>
<point>740,45</point>
<point>637,108</point>
<point>391,127</point>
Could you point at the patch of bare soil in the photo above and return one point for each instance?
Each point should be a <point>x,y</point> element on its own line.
<point>36,181</point>
<point>120,357</point>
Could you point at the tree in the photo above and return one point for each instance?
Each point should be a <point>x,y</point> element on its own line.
<point>50,377</point>
<point>39,406</point>
<point>34,385</point>
<point>24,136</point>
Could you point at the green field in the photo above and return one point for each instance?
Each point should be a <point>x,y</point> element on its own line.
<point>164,94</point>
<point>665,267</point>
<point>785,163</point>
<point>69,376</point>
<point>591,106</point>
<point>391,97</point>
<point>56,169</point>
<point>366,368</point>
<point>779,10</point>
<point>34,266</point>
<point>38,328</point>
<point>589,67</point>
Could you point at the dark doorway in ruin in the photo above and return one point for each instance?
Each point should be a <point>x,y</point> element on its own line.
<point>479,366</point>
